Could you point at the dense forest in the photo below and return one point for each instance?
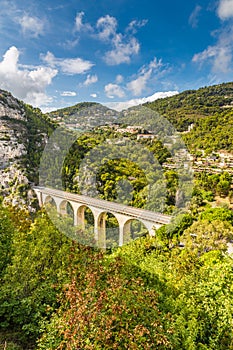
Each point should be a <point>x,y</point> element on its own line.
<point>208,110</point>
<point>172,290</point>
<point>153,293</point>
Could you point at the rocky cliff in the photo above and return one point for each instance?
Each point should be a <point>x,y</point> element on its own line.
<point>23,134</point>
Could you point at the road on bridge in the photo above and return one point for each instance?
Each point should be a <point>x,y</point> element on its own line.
<point>107,205</point>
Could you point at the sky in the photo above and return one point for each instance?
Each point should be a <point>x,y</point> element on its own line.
<point>55,54</point>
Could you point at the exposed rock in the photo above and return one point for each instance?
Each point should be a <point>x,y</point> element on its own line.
<point>15,149</point>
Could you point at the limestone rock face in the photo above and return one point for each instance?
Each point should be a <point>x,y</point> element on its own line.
<point>14,152</point>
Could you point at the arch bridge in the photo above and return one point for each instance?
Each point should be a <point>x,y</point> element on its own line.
<point>124,214</point>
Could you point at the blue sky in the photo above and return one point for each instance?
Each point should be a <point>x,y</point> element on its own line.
<point>54,54</point>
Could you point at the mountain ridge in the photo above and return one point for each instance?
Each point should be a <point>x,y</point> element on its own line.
<point>24,130</point>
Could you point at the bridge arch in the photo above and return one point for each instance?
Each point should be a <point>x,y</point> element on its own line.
<point>49,200</point>
<point>108,227</point>
<point>85,218</point>
<point>66,208</point>
<point>73,205</point>
<point>133,229</point>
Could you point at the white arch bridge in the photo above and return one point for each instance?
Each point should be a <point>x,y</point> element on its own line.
<point>99,208</point>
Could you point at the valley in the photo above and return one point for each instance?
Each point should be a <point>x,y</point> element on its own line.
<point>171,289</point>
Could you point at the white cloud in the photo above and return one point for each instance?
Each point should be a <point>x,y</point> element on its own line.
<point>79,25</point>
<point>26,84</point>
<point>38,99</point>
<point>70,44</point>
<point>75,65</point>
<point>91,79</point>
<point>49,58</point>
<point>225,9</point>
<point>78,21</point>
<point>107,27</point>
<point>68,93</point>
<point>221,58</point>
<point>194,17</point>
<point>114,90</point>
<point>133,25</point>
<point>93,95</point>
<point>32,26</point>
<point>123,50</point>
<point>68,66</point>
<point>211,51</point>
<point>136,86</point>
<point>119,106</point>
<point>139,84</point>
<point>50,109</point>
<point>123,45</point>
<point>11,13</point>
<point>219,55</point>
<point>119,79</point>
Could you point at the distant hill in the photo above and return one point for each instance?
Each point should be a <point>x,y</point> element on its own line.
<point>84,115</point>
<point>209,109</point>
<point>191,105</point>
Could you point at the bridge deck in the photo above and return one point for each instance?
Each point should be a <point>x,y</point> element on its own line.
<point>107,205</point>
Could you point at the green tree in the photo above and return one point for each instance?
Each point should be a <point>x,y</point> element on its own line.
<point>222,214</point>
<point>204,236</point>
<point>33,278</point>
<point>223,188</point>
<point>7,231</point>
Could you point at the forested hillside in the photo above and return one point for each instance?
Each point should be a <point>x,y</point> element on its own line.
<point>84,116</point>
<point>191,105</point>
<point>208,111</point>
<point>170,291</point>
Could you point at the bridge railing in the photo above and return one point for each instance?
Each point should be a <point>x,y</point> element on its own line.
<point>106,205</point>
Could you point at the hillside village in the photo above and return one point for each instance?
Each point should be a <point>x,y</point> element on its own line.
<point>215,162</point>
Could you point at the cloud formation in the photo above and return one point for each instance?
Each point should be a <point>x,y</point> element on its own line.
<point>68,66</point>
<point>194,17</point>
<point>31,26</point>
<point>123,45</point>
<point>79,25</point>
<point>225,9</point>
<point>219,55</point>
<point>91,79</point>
<point>26,84</point>
<point>119,79</point>
<point>106,27</point>
<point>122,50</point>
<point>119,106</point>
<point>27,23</point>
<point>114,90</point>
<point>134,25</point>
<point>68,93</point>
<point>138,85</point>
